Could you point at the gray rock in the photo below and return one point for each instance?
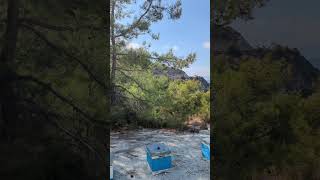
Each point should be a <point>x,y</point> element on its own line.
<point>178,74</point>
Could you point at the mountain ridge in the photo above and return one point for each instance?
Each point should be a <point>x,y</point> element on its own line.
<point>234,45</point>
<point>315,62</point>
<point>178,74</point>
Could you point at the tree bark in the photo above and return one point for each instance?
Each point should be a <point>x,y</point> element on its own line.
<point>7,56</point>
<point>113,53</point>
<point>9,48</point>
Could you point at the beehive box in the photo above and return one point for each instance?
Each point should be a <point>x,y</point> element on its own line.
<point>205,148</point>
<point>158,156</point>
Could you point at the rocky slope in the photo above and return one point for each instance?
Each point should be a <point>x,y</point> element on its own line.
<point>177,74</point>
<point>231,43</point>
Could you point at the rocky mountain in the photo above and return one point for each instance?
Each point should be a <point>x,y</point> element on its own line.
<point>176,74</point>
<point>170,72</point>
<point>226,38</point>
<point>229,42</point>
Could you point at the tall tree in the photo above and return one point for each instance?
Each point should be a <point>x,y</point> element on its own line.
<point>7,57</point>
<point>53,88</point>
<point>149,12</point>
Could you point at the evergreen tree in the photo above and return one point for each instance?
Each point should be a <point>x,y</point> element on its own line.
<point>149,12</point>
<point>53,89</point>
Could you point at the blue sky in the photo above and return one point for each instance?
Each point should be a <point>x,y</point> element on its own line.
<point>190,33</point>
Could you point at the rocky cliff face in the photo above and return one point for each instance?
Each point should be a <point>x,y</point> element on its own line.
<point>177,74</point>
<point>170,72</point>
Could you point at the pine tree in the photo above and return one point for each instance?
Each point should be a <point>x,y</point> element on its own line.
<point>54,87</point>
<point>150,12</point>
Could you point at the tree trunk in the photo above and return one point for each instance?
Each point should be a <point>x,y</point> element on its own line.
<point>113,53</point>
<point>7,98</point>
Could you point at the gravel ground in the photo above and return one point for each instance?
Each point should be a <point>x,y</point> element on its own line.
<point>129,157</point>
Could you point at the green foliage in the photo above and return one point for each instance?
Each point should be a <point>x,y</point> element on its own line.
<point>179,101</point>
<point>142,97</point>
<point>260,125</point>
<point>224,12</point>
<point>57,90</point>
<point>141,16</point>
<point>160,102</point>
<point>149,12</point>
<point>170,60</point>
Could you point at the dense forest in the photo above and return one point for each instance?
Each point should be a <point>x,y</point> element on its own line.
<point>265,112</point>
<point>263,126</point>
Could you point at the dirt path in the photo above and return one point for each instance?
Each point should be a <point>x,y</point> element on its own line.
<point>129,157</point>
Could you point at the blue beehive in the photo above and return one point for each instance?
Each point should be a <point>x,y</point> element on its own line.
<point>158,156</point>
<point>205,148</point>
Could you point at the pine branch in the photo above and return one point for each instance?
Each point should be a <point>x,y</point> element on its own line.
<point>133,95</point>
<point>49,88</point>
<point>147,56</point>
<point>137,22</point>
<point>50,116</point>
<point>63,51</point>
<point>131,70</point>
<point>41,24</point>
<point>134,80</point>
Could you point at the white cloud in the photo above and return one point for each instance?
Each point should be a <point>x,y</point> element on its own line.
<point>133,46</point>
<point>206,44</point>
<point>173,47</point>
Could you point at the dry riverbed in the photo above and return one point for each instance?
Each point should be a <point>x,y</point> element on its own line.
<point>129,157</point>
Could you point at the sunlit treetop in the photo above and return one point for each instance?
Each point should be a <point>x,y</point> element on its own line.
<point>141,16</point>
